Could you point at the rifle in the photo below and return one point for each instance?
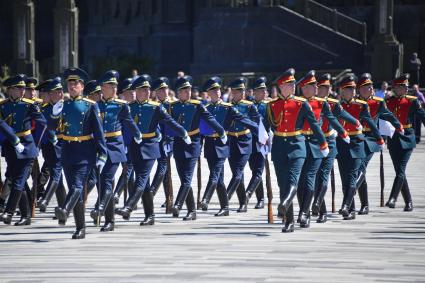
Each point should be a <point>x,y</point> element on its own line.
<point>381,175</point>
<point>333,189</point>
<point>269,193</point>
<point>35,172</point>
<point>99,182</point>
<point>169,188</point>
<point>199,184</point>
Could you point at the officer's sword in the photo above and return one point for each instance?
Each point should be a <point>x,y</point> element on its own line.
<point>198,205</point>
<point>333,189</point>
<point>34,175</point>
<point>382,177</point>
<point>100,195</point>
<point>269,193</point>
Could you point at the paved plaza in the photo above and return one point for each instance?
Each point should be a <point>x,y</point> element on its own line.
<point>388,245</point>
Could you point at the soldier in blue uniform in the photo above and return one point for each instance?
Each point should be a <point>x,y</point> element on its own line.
<point>401,145</point>
<point>147,115</point>
<point>350,155</point>
<point>378,110</point>
<point>258,156</point>
<point>322,179</point>
<point>51,149</point>
<point>18,113</point>
<point>189,113</point>
<point>160,86</point>
<point>215,150</point>
<point>114,113</point>
<point>126,179</point>
<point>286,115</point>
<point>83,145</point>
<point>240,142</point>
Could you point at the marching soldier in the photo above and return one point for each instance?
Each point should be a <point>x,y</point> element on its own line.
<point>286,115</point>
<point>126,179</point>
<point>322,179</point>
<point>378,110</point>
<point>401,146</point>
<point>114,114</point>
<point>257,159</point>
<point>83,145</point>
<point>147,115</point>
<point>18,112</point>
<point>188,113</point>
<point>350,155</point>
<point>314,157</point>
<point>51,149</point>
<point>215,151</point>
<point>160,88</point>
<point>240,143</point>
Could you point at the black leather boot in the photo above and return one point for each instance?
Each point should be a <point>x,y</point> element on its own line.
<point>320,195</point>
<point>181,197</point>
<point>289,219</point>
<point>259,193</point>
<point>100,211</point>
<point>11,205</point>
<point>129,205</point>
<point>209,191</point>
<point>148,207</point>
<point>364,199</point>
<point>305,209</point>
<point>323,217</point>
<point>109,217</point>
<point>120,187</point>
<point>398,183</point>
<point>50,190</point>
<point>231,188</point>
<point>156,182</point>
<point>286,201</point>
<point>24,208</point>
<point>252,188</point>
<point>405,192</point>
<point>240,191</point>
<point>62,213</point>
<point>4,194</point>
<point>60,194</point>
<point>348,202</point>
<point>80,223</point>
<point>224,201</point>
<point>191,209</point>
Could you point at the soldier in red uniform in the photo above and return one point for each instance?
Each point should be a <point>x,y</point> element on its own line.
<point>404,107</point>
<point>350,155</point>
<point>286,115</point>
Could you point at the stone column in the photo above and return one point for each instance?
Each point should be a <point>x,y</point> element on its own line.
<point>23,38</point>
<point>65,35</point>
<point>384,51</point>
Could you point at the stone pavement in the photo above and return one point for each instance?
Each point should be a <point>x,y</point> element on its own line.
<point>388,245</point>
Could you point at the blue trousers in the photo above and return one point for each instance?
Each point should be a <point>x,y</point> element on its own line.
<point>216,167</point>
<point>288,172</point>
<point>18,172</point>
<point>107,177</point>
<point>237,164</point>
<point>76,176</point>
<point>185,168</point>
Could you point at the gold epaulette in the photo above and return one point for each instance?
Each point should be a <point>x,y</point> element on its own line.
<point>274,99</point>
<point>39,100</point>
<point>265,101</point>
<point>226,103</point>
<point>151,102</point>
<point>29,101</point>
<point>45,104</point>
<point>360,101</point>
<point>122,101</point>
<point>299,98</point>
<point>173,102</point>
<point>194,101</point>
<point>377,98</point>
<point>333,100</point>
<point>247,102</point>
<point>319,99</point>
<point>411,97</point>
<point>89,100</point>
<point>3,101</point>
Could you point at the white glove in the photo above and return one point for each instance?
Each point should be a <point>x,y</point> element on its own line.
<point>382,147</point>
<point>334,134</point>
<point>402,132</point>
<point>55,142</point>
<point>167,148</point>
<point>223,138</point>
<point>187,139</point>
<point>57,108</point>
<point>138,140</point>
<point>325,151</point>
<point>346,139</point>
<point>100,164</point>
<point>360,128</point>
<point>19,148</point>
